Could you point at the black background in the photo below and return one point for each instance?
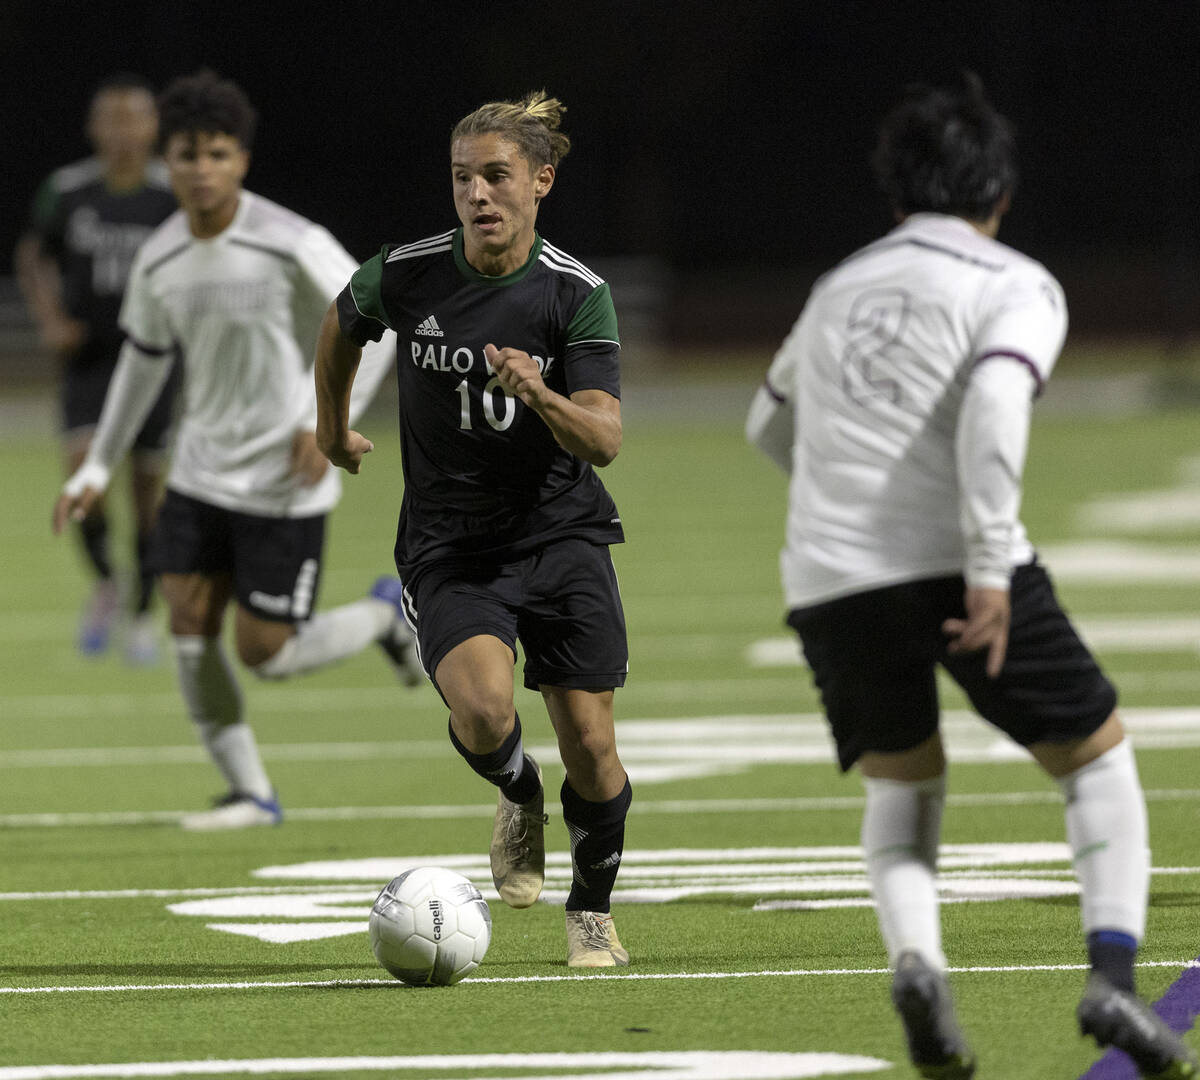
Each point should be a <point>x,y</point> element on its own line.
<point>726,140</point>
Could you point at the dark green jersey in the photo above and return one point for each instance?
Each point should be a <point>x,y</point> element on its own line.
<point>483,475</point>
<point>93,233</point>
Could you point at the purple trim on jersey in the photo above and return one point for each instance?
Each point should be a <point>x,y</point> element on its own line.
<point>1020,358</point>
<point>776,396</point>
<point>149,350</point>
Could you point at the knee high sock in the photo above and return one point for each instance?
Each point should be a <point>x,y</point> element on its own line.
<point>901,826</point>
<point>214,703</point>
<point>597,831</point>
<point>145,574</point>
<point>1107,831</point>
<point>330,636</point>
<point>507,766</point>
<point>93,531</point>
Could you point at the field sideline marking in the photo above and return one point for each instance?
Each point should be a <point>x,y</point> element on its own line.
<point>300,984</point>
<point>798,803</point>
<point>677,1064</point>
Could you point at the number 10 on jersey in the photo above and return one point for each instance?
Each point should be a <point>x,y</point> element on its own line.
<point>499,421</point>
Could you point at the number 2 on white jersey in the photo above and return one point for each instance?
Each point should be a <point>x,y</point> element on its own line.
<point>875,322</point>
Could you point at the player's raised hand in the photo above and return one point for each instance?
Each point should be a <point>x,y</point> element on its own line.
<point>985,627</point>
<point>348,454</point>
<point>518,373</point>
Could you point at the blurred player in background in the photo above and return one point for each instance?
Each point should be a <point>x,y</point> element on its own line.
<point>509,395</point>
<point>88,220</point>
<point>900,404</point>
<point>237,285</point>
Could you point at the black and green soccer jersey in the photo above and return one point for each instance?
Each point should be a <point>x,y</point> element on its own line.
<point>93,233</point>
<point>483,475</point>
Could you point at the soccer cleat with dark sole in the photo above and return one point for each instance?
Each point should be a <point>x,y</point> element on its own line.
<point>518,851</point>
<point>936,1044</point>
<point>1117,1018</point>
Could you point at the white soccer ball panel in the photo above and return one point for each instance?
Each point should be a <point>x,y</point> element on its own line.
<point>430,927</point>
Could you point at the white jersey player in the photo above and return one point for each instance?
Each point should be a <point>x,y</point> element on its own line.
<point>878,367</point>
<point>900,404</point>
<point>233,287</point>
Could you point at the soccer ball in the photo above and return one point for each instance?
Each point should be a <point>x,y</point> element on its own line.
<point>430,927</point>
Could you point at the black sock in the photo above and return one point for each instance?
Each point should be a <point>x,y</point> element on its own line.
<point>597,840</point>
<point>94,531</point>
<point>145,573</point>
<point>507,766</point>
<point>1111,954</point>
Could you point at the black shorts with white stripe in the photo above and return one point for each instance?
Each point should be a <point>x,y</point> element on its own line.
<point>874,654</point>
<point>275,563</point>
<point>562,602</point>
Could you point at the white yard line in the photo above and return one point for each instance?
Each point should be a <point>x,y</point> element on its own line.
<point>339,893</point>
<point>505,980</point>
<point>799,804</point>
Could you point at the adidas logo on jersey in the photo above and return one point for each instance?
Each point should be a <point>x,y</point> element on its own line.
<point>429,328</point>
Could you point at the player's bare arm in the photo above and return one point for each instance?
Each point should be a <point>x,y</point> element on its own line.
<point>588,423</point>
<point>40,282</point>
<point>334,370</point>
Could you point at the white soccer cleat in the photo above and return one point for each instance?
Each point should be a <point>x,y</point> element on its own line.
<point>234,811</point>
<point>592,941</point>
<point>141,642</point>
<point>518,851</point>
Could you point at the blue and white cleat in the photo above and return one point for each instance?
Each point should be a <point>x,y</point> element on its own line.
<point>99,618</point>
<point>234,811</point>
<point>400,643</point>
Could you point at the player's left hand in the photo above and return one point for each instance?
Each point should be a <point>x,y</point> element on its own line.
<point>308,463</point>
<point>74,507</point>
<point>518,373</point>
<point>985,627</point>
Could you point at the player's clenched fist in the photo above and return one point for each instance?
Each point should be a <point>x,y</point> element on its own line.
<point>518,373</point>
<point>348,453</point>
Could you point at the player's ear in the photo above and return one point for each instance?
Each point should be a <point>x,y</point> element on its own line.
<point>543,181</point>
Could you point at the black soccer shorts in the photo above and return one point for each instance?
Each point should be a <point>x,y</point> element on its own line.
<point>561,602</point>
<point>275,562</point>
<point>85,382</point>
<point>873,656</point>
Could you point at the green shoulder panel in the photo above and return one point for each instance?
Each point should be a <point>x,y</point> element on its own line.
<point>45,205</point>
<point>596,319</point>
<point>366,286</point>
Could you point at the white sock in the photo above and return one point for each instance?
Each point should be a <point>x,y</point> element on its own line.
<point>1106,828</point>
<point>329,636</point>
<point>901,826</point>
<point>214,703</point>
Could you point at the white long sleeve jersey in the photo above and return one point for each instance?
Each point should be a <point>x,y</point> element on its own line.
<point>910,375</point>
<point>242,311</point>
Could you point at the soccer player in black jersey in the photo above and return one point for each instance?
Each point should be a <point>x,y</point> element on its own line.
<point>509,395</point>
<point>72,264</point>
